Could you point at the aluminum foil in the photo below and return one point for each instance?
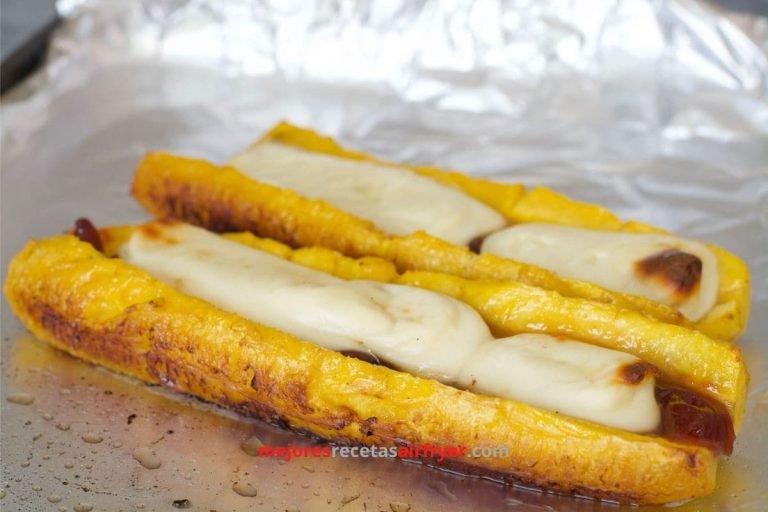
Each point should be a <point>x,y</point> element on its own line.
<point>656,109</point>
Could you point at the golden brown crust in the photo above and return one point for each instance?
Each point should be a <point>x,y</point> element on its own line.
<point>66,293</point>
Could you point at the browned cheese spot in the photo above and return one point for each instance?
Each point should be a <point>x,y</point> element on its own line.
<point>633,374</point>
<point>676,269</point>
<point>153,232</point>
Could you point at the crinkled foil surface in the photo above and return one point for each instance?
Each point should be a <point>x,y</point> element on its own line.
<point>656,109</point>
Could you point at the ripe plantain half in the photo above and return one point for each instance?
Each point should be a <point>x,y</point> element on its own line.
<point>223,199</point>
<point>105,311</point>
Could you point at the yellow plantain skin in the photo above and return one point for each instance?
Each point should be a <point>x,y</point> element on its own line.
<point>110,313</point>
<point>727,319</point>
<point>685,357</point>
<point>222,198</point>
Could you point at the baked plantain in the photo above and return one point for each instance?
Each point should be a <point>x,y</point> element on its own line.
<point>224,199</point>
<point>111,313</point>
<point>684,356</point>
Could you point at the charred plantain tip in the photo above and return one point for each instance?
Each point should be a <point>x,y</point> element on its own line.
<point>87,232</point>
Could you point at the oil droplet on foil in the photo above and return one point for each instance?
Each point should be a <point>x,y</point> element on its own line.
<point>62,426</point>
<point>83,507</point>
<point>91,437</point>
<point>147,458</point>
<point>37,488</point>
<point>20,398</point>
<point>183,503</point>
<point>2,493</point>
<point>54,498</point>
<point>245,489</point>
<point>399,506</point>
<point>251,446</point>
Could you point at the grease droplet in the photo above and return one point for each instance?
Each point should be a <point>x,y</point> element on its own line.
<point>25,464</point>
<point>399,506</point>
<point>2,493</point>
<point>69,465</point>
<point>20,398</point>
<point>54,498</point>
<point>251,446</point>
<point>37,488</point>
<point>47,417</point>
<point>146,457</point>
<point>83,507</point>
<point>183,503</point>
<point>245,489</point>
<point>91,437</point>
<point>37,436</point>
<point>62,426</point>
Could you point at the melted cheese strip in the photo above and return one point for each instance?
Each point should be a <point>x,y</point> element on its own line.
<point>395,199</point>
<point>422,332</point>
<point>394,322</point>
<point>566,376</point>
<point>609,259</point>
